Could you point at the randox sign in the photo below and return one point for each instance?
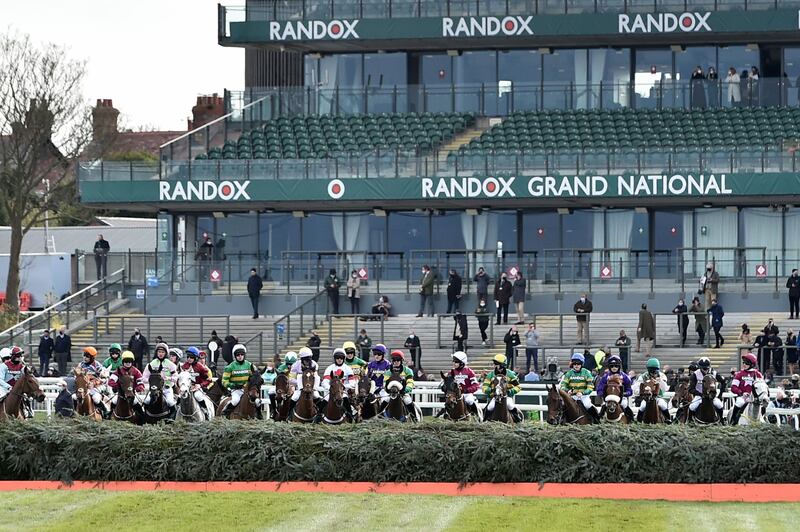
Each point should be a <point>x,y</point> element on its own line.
<point>313,30</point>
<point>203,190</point>
<point>664,22</point>
<point>486,26</point>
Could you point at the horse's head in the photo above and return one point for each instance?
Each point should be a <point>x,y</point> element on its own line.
<point>394,386</point>
<point>451,389</point>
<point>613,392</point>
<point>308,380</point>
<point>761,391</point>
<point>125,386</point>
<point>185,383</point>
<point>366,386</point>
<point>649,389</point>
<point>682,395</point>
<point>555,406</point>
<point>709,386</point>
<point>336,389</point>
<point>30,385</point>
<point>254,383</point>
<point>500,385</point>
<point>281,386</point>
<point>156,385</point>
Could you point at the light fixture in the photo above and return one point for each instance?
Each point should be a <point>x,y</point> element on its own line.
<point>640,210</point>
<point>453,53</point>
<point>545,51</point>
<point>378,212</point>
<point>732,208</point>
<point>471,212</point>
<point>564,210</point>
<point>299,214</point>
<point>707,205</point>
<point>677,48</point>
<point>218,214</point>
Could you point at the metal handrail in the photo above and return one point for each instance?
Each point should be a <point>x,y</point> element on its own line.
<point>287,319</point>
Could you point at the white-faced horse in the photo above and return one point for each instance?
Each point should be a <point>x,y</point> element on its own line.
<point>756,408</point>
<point>190,409</point>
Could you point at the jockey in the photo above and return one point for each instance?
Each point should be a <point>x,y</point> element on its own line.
<point>235,376</point>
<point>653,373</point>
<point>113,362</point>
<point>94,370</point>
<point>398,368</point>
<point>742,385</point>
<point>466,380</point>
<point>10,370</point>
<point>348,379</point>
<point>615,368</point>
<point>578,382</point>
<point>499,362</point>
<point>175,356</point>
<point>696,388</point>
<point>305,363</point>
<point>201,381</point>
<point>378,366</point>
<point>169,372</point>
<point>127,368</point>
<point>356,364</point>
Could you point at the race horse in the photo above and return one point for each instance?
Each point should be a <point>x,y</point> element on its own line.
<point>334,413</point>
<point>283,392</point>
<point>612,399</point>
<point>157,410</point>
<point>304,410</point>
<point>563,409</point>
<point>756,407</point>
<point>706,414</point>
<point>84,406</point>
<point>366,400</point>
<point>681,399</point>
<point>395,409</point>
<point>648,393</point>
<point>455,408</point>
<point>13,404</point>
<point>126,408</point>
<point>216,392</point>
<point>248,407</point>
<point>190,409</point>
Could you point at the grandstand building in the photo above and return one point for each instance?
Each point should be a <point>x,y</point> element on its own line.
<point>575,140</point>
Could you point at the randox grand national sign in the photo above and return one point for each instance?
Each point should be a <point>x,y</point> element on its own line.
<point>379,191</point>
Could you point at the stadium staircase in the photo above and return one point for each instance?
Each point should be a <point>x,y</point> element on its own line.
<point>464,138</point>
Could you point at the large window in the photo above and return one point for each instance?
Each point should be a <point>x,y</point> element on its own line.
<point>475,73</point>
<point>559,83</point>
<point>652,77</point>
<point>386,77</point>
<point>519,78</point>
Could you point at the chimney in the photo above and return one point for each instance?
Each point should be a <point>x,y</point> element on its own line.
<point>104,120</point>
<point>207,109</point>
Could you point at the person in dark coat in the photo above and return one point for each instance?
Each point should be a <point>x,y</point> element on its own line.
<point>101,249</point>
<point>760,343</point>
<point>62,349</point>
<point>254,286</point>
<point>502,297</point>
<point>717,314</point>
<point>511,340</point>
<point>64,405</point>
<point>414,348</point>
<point>582,309</point>
<point>482,281</point>
<point>791,352</point>
<point>332,284</point>
<point>698,83</point>
<point>482,314</point>
<point>139,347</point>
<point>215,354</point>
<point>680,311</point>
<point>46,346</point>
<point>313,343</point>
<point>453,292</point>
<point>623,343</point>
<point>775,349</point>
<point>460,331</point>
<point>518,293</point>
<point>793,284</point>
<point>646,329</point>
<point>227,348</point>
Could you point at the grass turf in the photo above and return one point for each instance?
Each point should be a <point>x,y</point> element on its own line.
<point>163,510</point>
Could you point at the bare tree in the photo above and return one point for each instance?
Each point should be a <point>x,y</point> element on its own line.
<point>44,125</point>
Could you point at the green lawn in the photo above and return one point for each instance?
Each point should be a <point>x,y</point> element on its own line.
<point>159,511</point>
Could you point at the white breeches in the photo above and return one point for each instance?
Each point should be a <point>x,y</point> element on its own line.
<point>169,397</point>
<point>695,404</point>
<point>3,392</point>
<point>740,402</point>
<point>585,400</point>
<point>95,394</point>
<point>509,404</point>
<point>299,391</point>
<point>385,398</point>
<point>469,398</point>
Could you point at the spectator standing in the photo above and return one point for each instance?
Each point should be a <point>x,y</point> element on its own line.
<point>332,285</point>
<point>775,347</point>
<point>313,343</point>
<point>354,292</point>
<point>713,87</point>
<point>646,329</point>
<point>717,313</point>
<point>227,348</point>
<point>518,291</point>
<point>502,297</point>
<point>46,346</point>
<point>101,248</point>
<point>771,328</point>
<point>254,286</point>
<point>582,309</point>
<point>460,331</point>
<point>453,292</point>
<point>426,291</point>
<point>531,348</point>
<point>793,284</point>
<point>680,311</point>
<point>511,340</point>
<point>700,320</point>
<point>698,95</point>
<point>760,343</point>
<point>482,284</point>
<point>623,344</point>
<point>482,314</point>
<point>62,349</point>
<point>734,93</point>
<point>790,344</point>
<point>139,347</point>
<point>414,348</point>
<point>745,338</point>
<point>709,284</point>
<point>753,87</point>
<point>364,343</point>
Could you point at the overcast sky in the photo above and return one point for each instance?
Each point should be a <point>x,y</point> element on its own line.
<point>152,57</point>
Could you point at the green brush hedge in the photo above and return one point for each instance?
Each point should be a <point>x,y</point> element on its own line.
<point>387,451</point>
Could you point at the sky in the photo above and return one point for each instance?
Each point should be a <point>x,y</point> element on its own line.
<point>151,57</point>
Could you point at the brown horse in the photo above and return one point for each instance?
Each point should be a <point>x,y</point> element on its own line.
<point>613,401</point>
<point>283,392</point>
<point>395,408</point>
<point>334,413</point>
<point>305,411</point>
<point>500,397</point>
<point>563,409</point>
<point>84,406</point>
<point>455,408</point>
<point>13,404</point>
<point>681,399</point>
<point>366,400</point>
<point>706,414</point>
<point>126,409</point>
<point>216,392</point>
<point>648,392</point>
<point>248,405</point>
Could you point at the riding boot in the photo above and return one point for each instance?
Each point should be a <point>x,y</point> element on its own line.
<point>667,417</point>
<point>594,415</point>
<point>173,412</point>
<point>226,412</point>
<point>273,408</point>
<point>516,414</point>
<point>602,413</point>
<point>412,412</point>
<point>640,415</point>
<point>689,415</point>
<point>473,409</point>
<point>721,415</point>
<point>320,404</point>
<point>629,414</point>
<point>291,406</point>
<point>735,415</point>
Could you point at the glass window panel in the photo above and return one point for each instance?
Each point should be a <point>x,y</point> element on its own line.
<point>559,75</point>
<point>698,93</point>
<point>475,76</point>
<point>652,77</point>
<point>519,81</point>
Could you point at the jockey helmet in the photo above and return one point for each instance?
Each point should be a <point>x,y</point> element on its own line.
<point>349,346</point>
<point>653,363</point>
<point>5,353</point>
<point>128,356</point>
<point>692,366</point>
<point>161,346</point>
<point>90,352</point>
<point>16,352</point>
<point>379,349</point>
<point>305,352</point>
<point>239,349</point>
<point>114,348</point>
<point>176,352</point>
<point>398,355</point>
<point>704,363</point>
<point>290,358</point>
<point>460,357</point>
<point>338,353</point>
<point>500,359</point>
<point>750,359</point>
<point>193,352</point>
<point>614,360</point>
<point>577,357</point>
